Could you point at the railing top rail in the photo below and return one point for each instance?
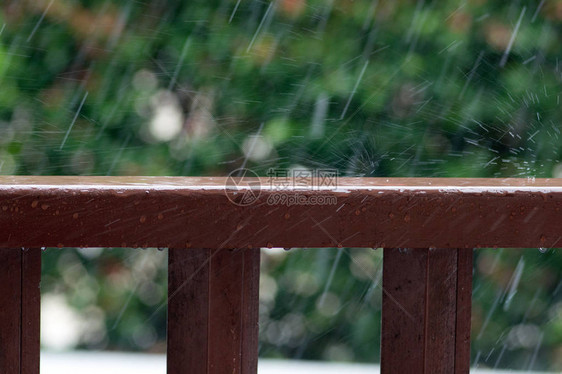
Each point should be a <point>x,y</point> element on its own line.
<point>356,212</point>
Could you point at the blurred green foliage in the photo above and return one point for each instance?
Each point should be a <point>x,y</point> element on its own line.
<point>371,87</point>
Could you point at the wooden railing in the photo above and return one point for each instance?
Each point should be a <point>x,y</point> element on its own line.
<point>214,238</point>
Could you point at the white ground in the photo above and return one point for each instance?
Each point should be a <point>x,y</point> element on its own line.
<point>124,363</point>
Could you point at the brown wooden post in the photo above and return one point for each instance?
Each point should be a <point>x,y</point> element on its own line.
<point>464,303</point>
<point>20,274</point>
<point>31,311</point>
<point>426,310</point>
<point>213,306</point>
<point>10,310</point>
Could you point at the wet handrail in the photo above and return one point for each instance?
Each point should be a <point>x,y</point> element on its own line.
<point>215,227</point>
<point>185,212</point>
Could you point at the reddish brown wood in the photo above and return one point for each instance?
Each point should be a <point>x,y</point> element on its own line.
<point>250,315</point>
<point>196,212</point>
<point>31,308</point>
<point>426,311</point>
<point>464,302</point>
<point>188,311</point>
<point>10,310</point>
<point>403,303</point>
<point>212,316</point>
<point>20,275</point>
<point>225,317</point>
<point>440,318</point>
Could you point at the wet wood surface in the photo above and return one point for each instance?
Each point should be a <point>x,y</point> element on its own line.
<point>464,308</point>
<point>20,274</point>
<point>426,311</point>
<point>213,310</point>
<point>10,310</point>
<point>183,212</point>
<point>30,311</point>
<point>188,311</point>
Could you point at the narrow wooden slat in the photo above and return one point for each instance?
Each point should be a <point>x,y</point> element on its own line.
<point>30,310</point>
<point>426,311</point>
<point>213,311</point>
<point>464,301</point>
<point>188,310</point>
<point>10,310</point>
<point>403,310</point>
<point>250,314</point>
<point>440,319</point>
<point>226,311</point>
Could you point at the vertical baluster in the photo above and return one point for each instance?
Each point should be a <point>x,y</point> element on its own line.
<point>30,311</point>
<point>250,311</point>
<point>10,309</point>
<point>426,310</point>
<point>212,311</point>
<point>20,274</point>
<point>464,308</point>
